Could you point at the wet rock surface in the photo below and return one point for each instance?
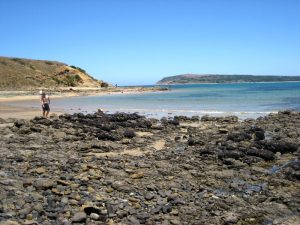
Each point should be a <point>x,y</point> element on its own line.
<point>127,169</point>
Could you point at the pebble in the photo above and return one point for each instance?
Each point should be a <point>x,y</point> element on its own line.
<point>79,217</point>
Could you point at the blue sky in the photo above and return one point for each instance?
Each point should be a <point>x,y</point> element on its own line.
<point>131,42</point>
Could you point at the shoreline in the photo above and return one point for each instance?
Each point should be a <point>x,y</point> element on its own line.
<point>14,96</point>
<point>8,111</point>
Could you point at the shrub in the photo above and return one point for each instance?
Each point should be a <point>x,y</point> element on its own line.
<point>77,78</point>
<point>104,84</point>
<point>72,80</point>
<point>78,68</point>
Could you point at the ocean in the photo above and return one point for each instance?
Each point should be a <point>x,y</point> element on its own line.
<point>245,100</point>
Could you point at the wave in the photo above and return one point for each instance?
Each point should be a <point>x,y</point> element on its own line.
<point>252,114</point>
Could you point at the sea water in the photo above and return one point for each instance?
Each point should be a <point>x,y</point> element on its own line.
<point>246,100</point>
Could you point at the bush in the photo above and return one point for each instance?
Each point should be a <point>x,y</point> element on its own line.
<point>78,68</point>
<point>72,80</point>
<point>104,84</point>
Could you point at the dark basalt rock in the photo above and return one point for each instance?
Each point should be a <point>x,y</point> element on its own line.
<point>265,154</point>
<point>129,134</point>
<point>112,136</point>
<point>230,154</point>
<point>280,146</point>
<point>292,169</point>
<point>122,117</point>
<point>19,123</point>
<point>240,136</point>
<point>127,169</point>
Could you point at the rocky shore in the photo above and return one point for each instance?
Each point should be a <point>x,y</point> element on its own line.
<point>127,169</point>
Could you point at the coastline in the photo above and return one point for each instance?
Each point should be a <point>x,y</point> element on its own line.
<point>261,82</point>
<point>8,111</point>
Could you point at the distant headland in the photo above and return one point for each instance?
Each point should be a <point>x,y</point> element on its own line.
<point>221,78</point>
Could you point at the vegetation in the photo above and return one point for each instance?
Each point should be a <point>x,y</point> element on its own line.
<point>104,84</point>
<point>72,80</point>
<point>78,68</point>
<point>216,78</point>
<point>22,74</point>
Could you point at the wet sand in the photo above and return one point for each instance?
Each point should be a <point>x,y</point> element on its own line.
<point>21,112</point>
<point>7,111</point>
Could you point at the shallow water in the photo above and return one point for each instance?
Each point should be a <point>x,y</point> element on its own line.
<point>246,100</point>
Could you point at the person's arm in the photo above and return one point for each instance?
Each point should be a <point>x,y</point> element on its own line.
<point>49,100</point>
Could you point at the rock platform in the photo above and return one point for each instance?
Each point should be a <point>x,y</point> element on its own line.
<point>128,169</point>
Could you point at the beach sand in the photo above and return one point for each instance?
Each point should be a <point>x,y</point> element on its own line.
<point>16,112</point>
<point>21,112</point>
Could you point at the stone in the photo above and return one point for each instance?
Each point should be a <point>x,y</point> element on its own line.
<point>40,170</point>
<point>149,196</point>
<point>79,217</point>
<point>44,183</point>
<point>9,222</point>
<point>30,222</point>
<point>175,222</point>
<point>230,218</point>
<point>94,216</point>
<point>137,175</point>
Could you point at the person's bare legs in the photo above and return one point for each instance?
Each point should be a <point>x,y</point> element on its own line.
<point>44,112</point>
<point>47,112</point>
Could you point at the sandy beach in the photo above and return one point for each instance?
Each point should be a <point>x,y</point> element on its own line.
<point>7,110</point>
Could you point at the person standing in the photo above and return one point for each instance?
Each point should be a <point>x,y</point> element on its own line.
<point>45,101</point>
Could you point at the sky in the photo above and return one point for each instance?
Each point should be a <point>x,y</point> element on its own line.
<point>138,42</point>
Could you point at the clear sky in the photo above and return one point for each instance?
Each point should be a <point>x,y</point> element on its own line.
<point>131,42</point>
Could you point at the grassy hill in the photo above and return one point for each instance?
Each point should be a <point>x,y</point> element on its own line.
<point>24,74</point>
<point>218,78</point>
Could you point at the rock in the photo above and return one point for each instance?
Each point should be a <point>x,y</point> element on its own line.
<point>60,135</point>
<point>137,175</point>
<point>53,116</point>
<point>149,196</point>
<point>2,120</point>
<point>40,170</point>
<point>281,146</point>
<point>175,222</point>
<point>265,154</point>
<point>44,183</point>
<point>94,216</point>
<point>223,131</point>
<point>92,209</point>
<point>230,154</point>
<point>121,186</point>
<point>129,134</point>
<point>92,172</point>
<point>259,135</point>
<point>9,222</point>
<point>79,217</point>
<point>230,218</point>
<point>30,222</point>
<point>194,141</point>
<point>239,136</point>
<point>206,118</point>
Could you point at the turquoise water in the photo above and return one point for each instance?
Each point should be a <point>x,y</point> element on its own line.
<point>244,100</point>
